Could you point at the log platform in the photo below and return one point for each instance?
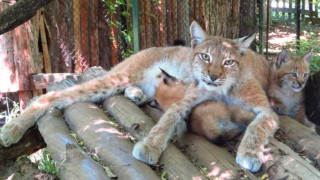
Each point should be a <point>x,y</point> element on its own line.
<point>110,131</point>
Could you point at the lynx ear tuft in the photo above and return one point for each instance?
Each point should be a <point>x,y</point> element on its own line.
<point>307,56</point>
<point>245,42</point>
<point>282,58</point>
<point>198,35</point>
<point>167,78</point>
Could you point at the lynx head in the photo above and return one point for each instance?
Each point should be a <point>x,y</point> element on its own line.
<point>291,72</point>
<point>217,60</point>
<point>169,91</point>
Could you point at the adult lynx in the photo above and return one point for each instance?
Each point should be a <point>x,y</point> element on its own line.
<point>216,63</point>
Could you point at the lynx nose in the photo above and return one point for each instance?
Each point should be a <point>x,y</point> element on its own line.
<point>213,77</point>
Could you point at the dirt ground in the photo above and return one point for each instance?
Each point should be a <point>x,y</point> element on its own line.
<point>23,169</point>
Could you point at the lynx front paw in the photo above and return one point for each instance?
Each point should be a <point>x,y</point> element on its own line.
<point>145,153</point>
<point>249,161</point>
<point>10,134</point>
<point>135,94</point>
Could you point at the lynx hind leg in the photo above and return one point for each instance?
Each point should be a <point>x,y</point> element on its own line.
<point>13,131</point>
<point>135,94</point>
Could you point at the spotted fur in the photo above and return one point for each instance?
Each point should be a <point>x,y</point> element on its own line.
<point>289,75</point>
<point>236,84</point>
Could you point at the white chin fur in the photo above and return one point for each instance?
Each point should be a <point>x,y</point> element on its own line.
<point>221,90</point>
<point>297,90</point>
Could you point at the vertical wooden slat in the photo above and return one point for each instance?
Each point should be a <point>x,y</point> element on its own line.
<point>149,34</point>
<point>162,23</point>
<point>114,41</point>
<point>169,21</point>
<point>7,65</point>
<point>104,47</point>
<point>46,56</point>
<point>142,18</point>
<point>174,20</point>
<point>84,35</point>
<point>155,23</point>
<point>77,36</point>
<point>94,40</point>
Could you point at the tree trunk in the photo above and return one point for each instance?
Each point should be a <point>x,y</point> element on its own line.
<point>248,17</point>
<point>19,13</point>
<point>222,18</point>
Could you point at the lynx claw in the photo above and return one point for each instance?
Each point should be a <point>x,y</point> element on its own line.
<point>146,154</point>
<point>135,94</point>
<point>249,161</point>
<point>10,134</point>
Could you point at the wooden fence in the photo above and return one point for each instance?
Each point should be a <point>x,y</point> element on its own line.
<point>70,36</point>
<point>286,10</point>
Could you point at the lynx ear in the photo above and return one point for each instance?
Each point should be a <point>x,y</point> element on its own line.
<point>167,78</point>
<point>198,35</point>
<point>307,56</point>
<point>245,42</point>
<point>282,58</point>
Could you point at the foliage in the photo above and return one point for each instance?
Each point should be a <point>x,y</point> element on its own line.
<point>46,163</point>
<point>15,111</point>
<point>125,28</point>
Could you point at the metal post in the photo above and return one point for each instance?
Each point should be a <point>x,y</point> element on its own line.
<point>298,24</point>
<point>261,27</point>
<point>135,25</point>
<point>267,30</point>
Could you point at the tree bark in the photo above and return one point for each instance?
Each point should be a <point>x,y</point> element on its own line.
<point>222,18</point>
<point>281,162</point>
<point>72,162</point>
<point>247,18</point>
<point>19,13</point>
<point>103,138</point>
<point>301,138</point>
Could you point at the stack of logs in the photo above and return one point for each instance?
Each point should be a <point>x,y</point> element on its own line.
<point>192,157</point>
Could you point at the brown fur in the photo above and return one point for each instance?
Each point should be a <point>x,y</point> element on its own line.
<point>210,119</point>
<point>236,85</point>
<point>286,91</point>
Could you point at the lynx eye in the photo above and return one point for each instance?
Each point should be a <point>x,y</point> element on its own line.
<point>294,74</point>
<point>305,74</point>
<point>205,57</point>
<point>229,62</point>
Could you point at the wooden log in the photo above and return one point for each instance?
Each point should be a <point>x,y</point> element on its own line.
<point>19,13</point>
<point>7,65</point>
<point>46,56</point>
<point>301,138</point>
<point>281,162</point>
<point>41,81</point>
<point>31,142</point>
<point>218,161</point>
<point>103,138</point>
<point>72,162</point>
<point>133,119</point>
